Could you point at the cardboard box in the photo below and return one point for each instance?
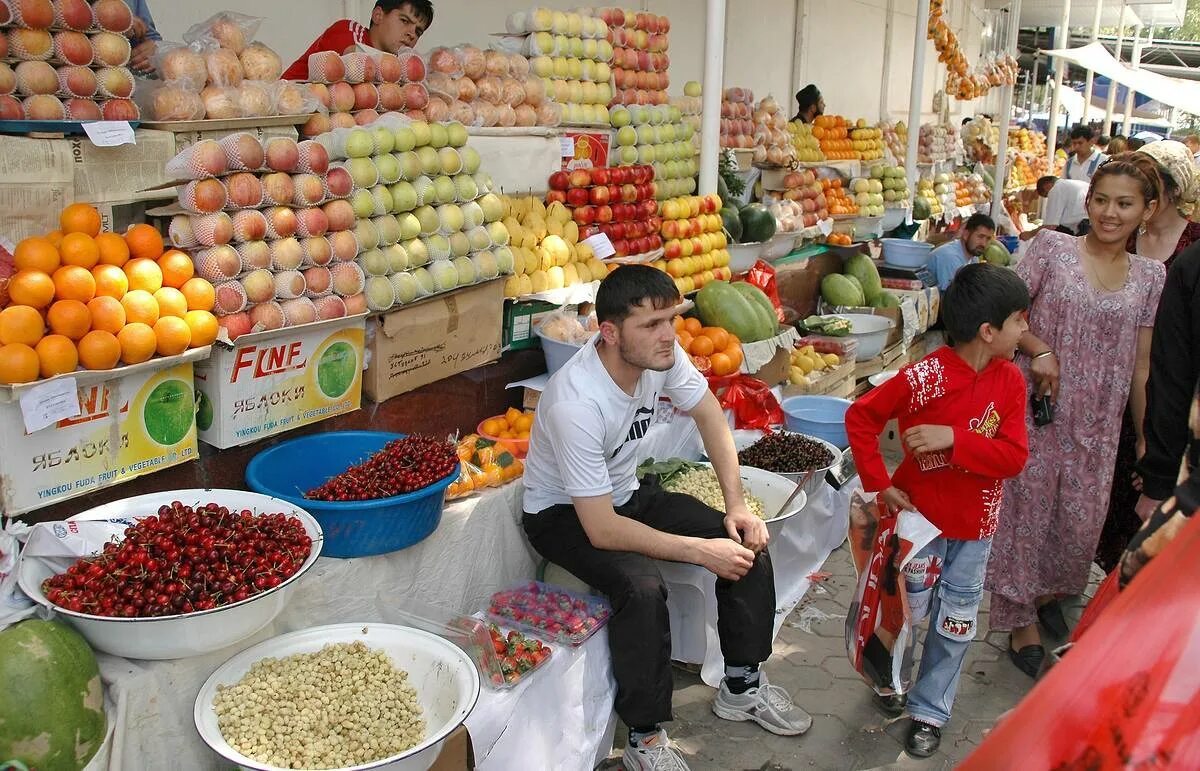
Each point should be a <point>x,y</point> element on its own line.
<point>266,383</point>
<point>838,381</point>
<point>520,320</point>
<point>458,754</point>
<point>434,339</point>
<point>133,420</point>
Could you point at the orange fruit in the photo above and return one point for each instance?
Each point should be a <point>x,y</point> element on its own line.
<point>144,274</point>
<point>678,322</point>
<point>176,268</point>
<point>56,355</point>
<point>701,346</point>
<point>734,352</point>
<point>204,327</point>
<point>199,293</point>
<point>80,218</point>
<point>36,254</point>
<point>99,350</point>
<point>721,364</point>
<point>79,249</point>
<point>111,281</point>
<point>69,318</point>
<point>144,242</point>
<point>493,426</point>
<point>18,363</point>
<point>72,282</point>
<point>523,424</point>
<point>511,415</point>
<point>173,336</point>
<point>719,337</point>
<point>113,250</point>
<point>692,326</point>
<point>684,339</point>
<point>137,342</point>
<point>55,237</point>
<point>21,324</point>
<point>140,307</point>
<point>107,314</point>
<point>31,287</point>
<point>171,302</point>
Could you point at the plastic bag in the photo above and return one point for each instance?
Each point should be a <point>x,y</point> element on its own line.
<point>484,464</point>
<point>762,275</point>
<point>14,605</point>
<point>446,60</point>
<point>227,29</point>
<point>288,98</point>
<point>181,65</point>
<point>224,68</point>
<point>753,404</point>
<point>879,627</point>
<point>261,62</point>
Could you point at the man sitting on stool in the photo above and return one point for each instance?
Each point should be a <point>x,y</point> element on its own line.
<point>586,512</point>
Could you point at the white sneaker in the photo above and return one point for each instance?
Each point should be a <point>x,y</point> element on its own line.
<point>653,754</point>
<point>768,705</point>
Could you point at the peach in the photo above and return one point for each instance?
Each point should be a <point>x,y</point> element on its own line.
<point>8,78</point>
<point>120,109</point>
<point>341,97</point>
<point>259,286</point>
<point>326,67</point>
<point>289,284</point>
<point>112,15</point>
<point>339,182</point>
<point>312,223</point>
<point>390,70</point>
<point>11,108</point>
<point>83,109</point>
<point>236,325</point>
<point>355,304</point>
<point>218,263</point>
<point>268,316</point>
<point>30,44</point>
<point>415,97</point>
<point>340,215</point>
<point>117,82</point>
<point>249,225</point>
<point>298,311</point>
<point>230,299</point>
<point>282,154</point>
<point>332,307</point>
<point>73,14</point>
<point>204,197</point>
<point>348,278</point>
<point>391,96</point>
<point>245,191</point>
<point>37,78</point>
<point>279,188</point>
<point>366,96</point>
<point>35,14</point>
<point>314,158</point>
<point>317,125</point>
<point>44,107</point>
<point>110,49</point>
<point>207,158</point>
<point>317,281</point>
<point>317,249</point>
<point>344,245</point>
<point>281,222</point>
<point>414,68</point>
<point>213,229</point>
<point>243,151</point>
<point>77,81</point>
<point>365,117</point>
<point>339,120</point>
<point>286,254</point>
<point>309,190</point>
<point>256,255</point>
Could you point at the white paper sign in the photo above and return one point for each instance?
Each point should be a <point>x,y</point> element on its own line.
<point>825,226</point>
<point>600,246</point>
<point>50,402</point>
<point>566,147</point>
<point>110,133</point>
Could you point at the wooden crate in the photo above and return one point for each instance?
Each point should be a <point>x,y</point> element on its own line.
<point>918,349</point>
<point>838,381</point>
<point>892,358</point>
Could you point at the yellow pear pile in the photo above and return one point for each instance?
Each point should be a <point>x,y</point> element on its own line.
<point>547,253</point>
<point>806,361</point>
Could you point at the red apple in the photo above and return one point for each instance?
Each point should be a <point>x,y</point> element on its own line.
<point>621,246</point>
<point>556,195</point>
<point>598,195</point>
<point>560,180</point>
<point>577,196</point>
<point>629,193</point>
<point>581,178</point>
<point>601,175</point>
<point>584,215</point>
<point>672,250</point>
<point>604,213</point>
<point>649,208</point>
<point>616,230</point>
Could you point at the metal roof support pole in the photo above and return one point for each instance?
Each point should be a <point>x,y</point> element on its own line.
<point>1111,107</point>
<point>1087,87</point>
<point>1060,76</point>
<point>714,77</point>
<point>1137,59</point>
<point>914,94</point>
<point>999,176</point>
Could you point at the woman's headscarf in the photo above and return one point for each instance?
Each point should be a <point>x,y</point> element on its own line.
<point>1176,159</point>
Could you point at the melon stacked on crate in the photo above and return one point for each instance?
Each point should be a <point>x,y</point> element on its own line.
<point>658,136</point>
<point>640,61</point>
<point>694,245</point>
<point>356,88</point>
<point>269,225</point>
<point>488,88</point>
<point>572,54</point>
<point>737,118</point>
<point>69,61</point>
<point>427,219</point>
<point>618,202</point>
<point>222,73</point>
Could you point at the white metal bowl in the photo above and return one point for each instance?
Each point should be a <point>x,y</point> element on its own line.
<point>780,245</point>
<point>773,490</point>
<point>817,480</point>
<point>871,332</point>
<point>743,256</point>
<point>190,634</point>
<point>443,676</point>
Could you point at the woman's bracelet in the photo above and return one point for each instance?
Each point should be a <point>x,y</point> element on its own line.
<point>1037,356</point>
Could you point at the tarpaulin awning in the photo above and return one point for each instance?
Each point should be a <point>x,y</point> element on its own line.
<point>1184,94</point>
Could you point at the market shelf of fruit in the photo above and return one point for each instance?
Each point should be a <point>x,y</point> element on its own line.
<point>657,136</point>
<point>772,144</point>
<point>618,202</point>
<point>547,250</point>
<point>737,113</point>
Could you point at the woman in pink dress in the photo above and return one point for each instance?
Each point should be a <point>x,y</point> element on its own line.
<point>1088,349</point>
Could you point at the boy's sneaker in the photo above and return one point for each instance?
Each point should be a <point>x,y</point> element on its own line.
<point>768,705</point>
<point>653,754</point>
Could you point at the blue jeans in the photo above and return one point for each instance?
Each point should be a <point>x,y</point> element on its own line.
<point>944,582</point>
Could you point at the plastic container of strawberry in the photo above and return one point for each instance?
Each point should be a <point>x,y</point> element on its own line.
<point>549,612</point>
<point>511,658</point>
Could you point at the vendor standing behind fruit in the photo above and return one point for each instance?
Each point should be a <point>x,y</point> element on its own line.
<point>809,104</point>
<point>586,512</point>
<point>395,24</point>
<point>1088,350</point>
<point>143,36</point>
<point>946,260</point>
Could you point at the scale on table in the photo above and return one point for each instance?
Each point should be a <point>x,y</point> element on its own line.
<point>908,274</point>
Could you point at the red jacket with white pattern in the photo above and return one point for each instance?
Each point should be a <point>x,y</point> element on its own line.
<point>959,490</point>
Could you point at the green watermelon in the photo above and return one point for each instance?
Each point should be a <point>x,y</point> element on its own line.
<point>861,267</point>
<point>885,300</point>
<point>996,253</point>
<point>758,224</point>
<point>52,711</point>
<point>732,223</point>
<point>920,209</point>
<point>837,289</point>
<point>723,189</point>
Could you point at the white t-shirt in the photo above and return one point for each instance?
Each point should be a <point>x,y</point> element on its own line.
<point>586,430</point>
<point>1066,204</point>
<point>1084,170</point>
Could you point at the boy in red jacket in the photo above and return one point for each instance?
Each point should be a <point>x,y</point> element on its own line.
<point>961,412</point>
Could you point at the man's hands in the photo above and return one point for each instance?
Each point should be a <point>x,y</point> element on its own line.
<point>725,558</point>
<point>896,500</point>
<point>138,30</point>
<point>746,529</point>
<point>142,54</point>
<point>929,438</point>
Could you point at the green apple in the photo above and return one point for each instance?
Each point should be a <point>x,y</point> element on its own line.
<point>438,136</point>
<point>359,143</point>
<point>404,197</point>
<point>404,139</point>
<point>385,140</point>
<point>692,88</point>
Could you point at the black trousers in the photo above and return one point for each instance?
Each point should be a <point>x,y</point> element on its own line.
<point>639,631</point>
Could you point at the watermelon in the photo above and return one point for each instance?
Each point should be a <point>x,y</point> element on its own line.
<point>885,300</point>
<point>52,710</point>
<point>720,305</point>
<point>732,223</point>
<point>861,267</point>
<point>723,189</point>
<point>758,224</point>
<point>920,209</point>
<point>996,253</point>
<point>840,290</point>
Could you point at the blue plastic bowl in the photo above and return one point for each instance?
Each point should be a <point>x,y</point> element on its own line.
<point>1011,243</point>
<point>821,416</point>
<point>352,528</point>
<point>905,253</point>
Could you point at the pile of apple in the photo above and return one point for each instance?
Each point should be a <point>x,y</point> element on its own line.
<point>618,202</point>
<point>690,107</point>
<point>803,189</point>
<point>427,219</point>
<point>868,196</point>
<point>772,143</point>
<point>805,146</point>
<point>492,88</point>
<point>269,226</point>
<point>223,74</point>
<point>936,143</point>
<point>658,136</point>
<point>546,248</point>
<point>694,245</point>
<point>354,89</point>
<point>69,59</point>
<point>737,118</point>
<point>640,61</point>
<point>895,136</point>
<point>573,54</point>
<point>926,190</point>
<point>1020,173</point>
<point>893,184</point>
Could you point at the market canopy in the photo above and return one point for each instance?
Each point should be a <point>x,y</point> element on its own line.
<point>1184,94</point>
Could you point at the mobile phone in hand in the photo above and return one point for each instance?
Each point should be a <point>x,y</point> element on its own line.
<point>1043,410</point>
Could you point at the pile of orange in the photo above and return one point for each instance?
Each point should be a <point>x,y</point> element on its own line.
<point>82,297</point>
<point>837,199</point>
<point>714,350</point>
<point>513,424</point>
<point>833,132</point>
<point>840,239</point>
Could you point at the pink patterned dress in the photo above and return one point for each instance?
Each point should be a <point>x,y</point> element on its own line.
<point>1053,512</point>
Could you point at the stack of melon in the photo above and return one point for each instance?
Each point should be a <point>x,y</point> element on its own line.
<point>857,286</point>
<point>83,298</point>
